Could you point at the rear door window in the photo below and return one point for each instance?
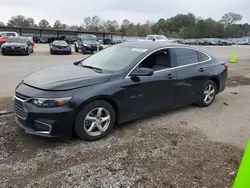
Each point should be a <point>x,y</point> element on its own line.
<point>186,56</point>
<point>150,37</point>
<point>202,56</point>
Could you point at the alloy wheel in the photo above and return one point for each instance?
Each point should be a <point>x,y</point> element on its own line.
<point>209,94</point>
<point>97,121</point>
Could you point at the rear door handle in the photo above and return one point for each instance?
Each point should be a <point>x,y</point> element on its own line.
<point>202,69</point>
<point>170,76</point>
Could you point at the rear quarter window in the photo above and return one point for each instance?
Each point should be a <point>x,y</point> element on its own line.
<point>202,57</point>
<point>186,56</point>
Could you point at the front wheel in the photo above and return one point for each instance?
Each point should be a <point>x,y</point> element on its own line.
<point>207,94</point>
<point>76,48</point>
<point>95,121</point>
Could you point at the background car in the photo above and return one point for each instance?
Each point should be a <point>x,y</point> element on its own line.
<point>119,84</point>
<point>60,47</point>
<point>85,43</point>
<point>17,45</point>
<point>4,35</point>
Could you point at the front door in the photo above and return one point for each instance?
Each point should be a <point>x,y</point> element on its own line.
<point>143,94</point>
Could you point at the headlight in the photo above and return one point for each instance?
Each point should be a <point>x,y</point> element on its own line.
<point>23,47</point>
<point>50,102</point>
<point>85,44</point>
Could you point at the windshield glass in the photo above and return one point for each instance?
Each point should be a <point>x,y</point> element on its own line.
<point>114,58</point>
<point>161,37</point>
<point>89,37</point>
<point>7,34</point>
<point>16,40</point>
<point>60,42</point>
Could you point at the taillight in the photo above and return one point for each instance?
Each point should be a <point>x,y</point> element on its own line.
<point>226,66</point>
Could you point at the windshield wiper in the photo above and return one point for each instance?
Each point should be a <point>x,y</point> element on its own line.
<point>94,68</point>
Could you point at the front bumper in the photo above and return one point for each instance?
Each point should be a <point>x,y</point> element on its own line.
<point>93,48</point>
<point>55,51</point>
<point>14,51</point>
<point>47,122</point>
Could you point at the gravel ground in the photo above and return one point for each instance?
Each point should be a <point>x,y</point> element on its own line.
<point>184,147</point>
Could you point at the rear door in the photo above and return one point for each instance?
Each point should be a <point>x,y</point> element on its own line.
<point>191,74</point>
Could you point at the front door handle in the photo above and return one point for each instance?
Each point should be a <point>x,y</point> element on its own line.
<point>170,76</point>
<point>202,69</point>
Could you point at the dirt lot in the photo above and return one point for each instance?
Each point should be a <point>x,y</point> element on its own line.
<point>185,147</point>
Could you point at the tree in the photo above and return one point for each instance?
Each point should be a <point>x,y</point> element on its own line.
<point>18,20</point>
<point>2,24</point>
<point>87,23</point>
<point>44,24</point>
<point>95,26</point>
<point>31,22</point>
<point>124,27</point>
<point>230,18</point>
<point>57,24</point>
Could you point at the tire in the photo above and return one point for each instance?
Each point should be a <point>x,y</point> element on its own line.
<point>202,98</point>
<point>84,50</point>
<point>81,125</point>
<point>27,52</point>
<point>76,49</point>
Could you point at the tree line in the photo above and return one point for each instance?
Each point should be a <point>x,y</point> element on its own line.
<point>179,26</point>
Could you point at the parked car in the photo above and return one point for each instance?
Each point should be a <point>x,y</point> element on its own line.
<point>118,84</point>
<point>17,45</point>
<point>159,38</point>
<point>60,47</point>
<point>40,40</point>
<point>4,35</point>
<point>86,43</point>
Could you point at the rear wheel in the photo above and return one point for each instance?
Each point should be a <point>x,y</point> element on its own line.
<point>207,94</point>
<point>95,120</point>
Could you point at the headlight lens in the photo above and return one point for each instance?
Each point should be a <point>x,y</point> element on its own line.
<point>22,47</point>
<point>50,102</point>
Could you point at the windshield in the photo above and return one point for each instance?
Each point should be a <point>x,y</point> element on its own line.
<point>114,58</point>
<point>16,40</point>
<point>7,34</point>
<point>89,37</point>
<point>62,42</point>
<point>161,37</point>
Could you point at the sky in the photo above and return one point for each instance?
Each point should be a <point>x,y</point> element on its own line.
<point>137,11</point>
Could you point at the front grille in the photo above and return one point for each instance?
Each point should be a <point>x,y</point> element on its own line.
<point>61,47</point>
<point>21,96</point>
<point>20,110</point>
<point>13,48</point>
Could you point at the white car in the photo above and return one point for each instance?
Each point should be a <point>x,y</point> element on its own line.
<point>161,38</point>
<point>4,35</point>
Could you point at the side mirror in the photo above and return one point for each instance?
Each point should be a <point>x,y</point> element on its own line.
<point>142,72</point>
<point>153,39</point>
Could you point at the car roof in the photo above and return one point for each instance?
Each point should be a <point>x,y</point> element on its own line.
<point>150,45</point>
<point>20,37</point>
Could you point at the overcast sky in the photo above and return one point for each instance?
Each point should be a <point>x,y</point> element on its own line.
<point>73,12</point>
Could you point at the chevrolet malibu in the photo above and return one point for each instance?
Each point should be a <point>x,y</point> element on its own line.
<point>118,84</point>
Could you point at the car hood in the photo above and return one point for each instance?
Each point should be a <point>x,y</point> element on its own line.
<point>67,77</point>
<point>61,45</point>
<point>91,42</point>
<point>14,44</point>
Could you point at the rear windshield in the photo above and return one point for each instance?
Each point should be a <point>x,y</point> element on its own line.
<point>7,34</point>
